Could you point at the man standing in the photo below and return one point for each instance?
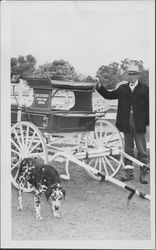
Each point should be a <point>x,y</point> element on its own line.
<point>132,117</point>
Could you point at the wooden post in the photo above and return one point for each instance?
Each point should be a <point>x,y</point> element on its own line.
<point>20,93</point>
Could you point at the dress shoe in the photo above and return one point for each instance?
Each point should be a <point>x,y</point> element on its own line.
<point>143,181</point>
<point>127,178</point>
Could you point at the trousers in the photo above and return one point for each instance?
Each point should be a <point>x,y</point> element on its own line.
<point>133,138</point>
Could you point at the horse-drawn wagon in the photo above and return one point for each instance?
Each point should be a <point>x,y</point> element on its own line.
<point>74,132</point>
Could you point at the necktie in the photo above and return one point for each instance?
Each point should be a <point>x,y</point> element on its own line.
<point>132,84</point>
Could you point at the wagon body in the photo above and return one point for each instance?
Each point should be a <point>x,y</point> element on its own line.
<point>79,118</point>
<point>56,121</point>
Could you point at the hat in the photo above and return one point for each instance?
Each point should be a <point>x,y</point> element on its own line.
<point>133,68</point>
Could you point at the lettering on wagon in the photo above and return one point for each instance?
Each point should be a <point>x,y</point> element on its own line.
<point>41,99</point>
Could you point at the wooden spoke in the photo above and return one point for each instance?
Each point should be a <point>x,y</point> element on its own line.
<point>105,133</point>
<point>105,136</point>
<point>30,143</point>
<point>32,140</point>
<point>104,164</point>
<point>15,144</point>
<point>22,138</point>
<point>35,146</point>
<point>17,137</point>
<point>109,164</point>
<point>15,152</point>
<point>15,165</point>
<point>114,159</point>
<point>27,136</point>
<point>109,137</point>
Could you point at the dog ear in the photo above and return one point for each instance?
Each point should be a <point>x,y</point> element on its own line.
<point>64,193</point>
<point>48,194</point>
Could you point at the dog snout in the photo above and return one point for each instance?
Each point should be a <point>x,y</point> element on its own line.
<point>57,208</point>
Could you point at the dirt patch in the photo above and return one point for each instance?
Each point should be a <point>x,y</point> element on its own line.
<point>91,211</point>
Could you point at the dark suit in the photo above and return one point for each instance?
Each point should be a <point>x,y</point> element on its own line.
<point>132,115</point>
<point>138,100</point>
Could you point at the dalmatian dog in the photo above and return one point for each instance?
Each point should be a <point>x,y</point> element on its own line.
<point>45,179</point>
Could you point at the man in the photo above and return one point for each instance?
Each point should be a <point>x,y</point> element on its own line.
<point>132,117</point>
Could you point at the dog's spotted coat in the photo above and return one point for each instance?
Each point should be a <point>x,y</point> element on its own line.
<point>44,179</point>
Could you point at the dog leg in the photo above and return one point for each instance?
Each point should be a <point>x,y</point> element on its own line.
<point>20,207</point>
<point>20,191</point>
<point>37,206</point>
<point>55,212</point>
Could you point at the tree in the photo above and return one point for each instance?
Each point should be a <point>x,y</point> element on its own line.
<point>57,70</point>
<point>109,75</point>
<point>43,70</point>
<point>78,77</point>
<point>23,66</point>
<point>123,74</point>
<point>126,62</point>
<point>14,67</point>
<point>144,77</point>
<point>89,79</point>
<point>114,73</point>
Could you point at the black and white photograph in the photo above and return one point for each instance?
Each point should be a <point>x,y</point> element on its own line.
<point>78,124</point>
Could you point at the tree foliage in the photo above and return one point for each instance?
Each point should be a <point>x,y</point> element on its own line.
<point>144,77</point>
<point>57,70</point>
<point>89,79</point>
<point>109,75</point>
<point>126,62</point>
<point>112,74</point>
<point>23,66</point>
<point>144,74</point>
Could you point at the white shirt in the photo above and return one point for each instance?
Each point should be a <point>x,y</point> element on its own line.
<point>132,85</point>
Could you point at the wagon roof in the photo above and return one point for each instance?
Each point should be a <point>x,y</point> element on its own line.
<point>73,85</point>
<point>46,83</point>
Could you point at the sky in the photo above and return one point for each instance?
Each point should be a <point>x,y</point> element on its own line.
<point>87,34</point>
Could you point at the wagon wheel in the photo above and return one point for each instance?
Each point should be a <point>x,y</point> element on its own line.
<point>26,141</point>
<point>105,137</point>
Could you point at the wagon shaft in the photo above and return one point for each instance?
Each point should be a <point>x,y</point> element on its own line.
<point>102,176</point>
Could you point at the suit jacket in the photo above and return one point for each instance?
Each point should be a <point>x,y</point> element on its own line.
<point>138,100</point>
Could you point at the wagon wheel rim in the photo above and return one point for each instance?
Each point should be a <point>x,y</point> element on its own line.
<point>26,141</point>
<point>105,136</point>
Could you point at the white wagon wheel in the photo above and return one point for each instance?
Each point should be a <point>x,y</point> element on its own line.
<point>26,141</point>
<point>105,137</point>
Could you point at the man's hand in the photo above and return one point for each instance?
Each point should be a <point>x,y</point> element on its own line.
<point>97,83</point>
